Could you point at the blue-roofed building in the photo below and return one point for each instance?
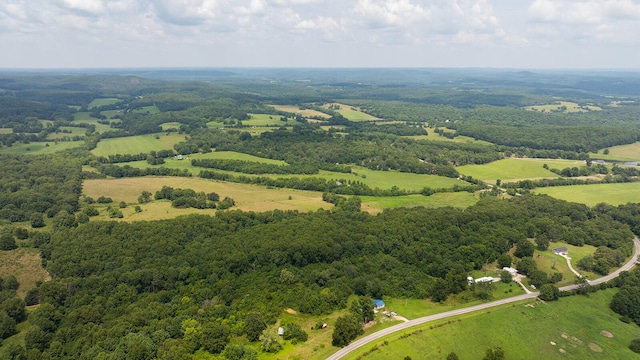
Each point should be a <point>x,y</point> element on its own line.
<point>377,304</point>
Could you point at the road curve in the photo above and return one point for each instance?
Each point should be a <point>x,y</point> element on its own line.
<point>384,332</point>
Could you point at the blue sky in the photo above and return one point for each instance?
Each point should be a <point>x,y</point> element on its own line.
<point>538,34</point>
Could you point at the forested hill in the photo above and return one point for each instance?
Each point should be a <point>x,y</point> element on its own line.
<point>112,279</point>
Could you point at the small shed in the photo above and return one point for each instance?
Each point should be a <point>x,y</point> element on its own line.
<point>561,251</point>
<point>484,279</point>
<point>377,304</point>
<point>511,270</point>
<point>281,331</point>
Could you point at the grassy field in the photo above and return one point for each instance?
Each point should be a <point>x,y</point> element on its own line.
<point>83,117</point>
<point>40,147</point>
<point>572,328</point>
<point>516,169</point>
<point>102,101</point>
<point>137,144</point>
<point>265,120</point>
<point>6,131</point>
<point>75,131</point>
<point>170,125</point>
<point>353,113</point>
<point>296,110</point>
<point>151,109</point>
<point>630,152</point>
<point>373,204</point>
<point>614,194</point>
<point>373,178</point>
<point>563,106</point>
<point>431,136</point>
<point>247,197</point>
<point>26,265</point>
<point>549,262</point>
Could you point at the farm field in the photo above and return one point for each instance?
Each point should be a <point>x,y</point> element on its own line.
<point>102,101</point>
<point>374,204</point>
<point>6,131</point>
<point>170,125</point>
<point>352,113</point>
<point>583,327</point>
<point>516,169</point>
<point>296,110</point>
<point>40,147</point>
<point>136,144</point>
<point>373,178</point>
<point>630,152</point>
<point>590,195</point>
<point>563,106</point>
<point>247,197</point>
<point>83,117</point>
<point>74,131</point>
<point>264,120</point>
<point>431,136</point>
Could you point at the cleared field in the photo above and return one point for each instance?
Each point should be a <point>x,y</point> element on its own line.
<point>170,125</point>
<point>630,152</point>
<point>111,113</point>
<point>373,204</point>
<point>563,106</point>
<point>74,131</point>
<point>513,168</point>
<point>137,144</point>
<point>549,262</point>
<point>102,101</point>
<point>25,264</point>
<point>40,147</point>
<point>614,194</point>
<point>296,110</point>
<point>6,131</point>
<point>576,327</point>
<point>352,113</point>
<point>151,109</point>
<point>372,178</point>
<point>247,197</point>
<point>431,136</point>
<point>83,117</point>
<point>264,120</point>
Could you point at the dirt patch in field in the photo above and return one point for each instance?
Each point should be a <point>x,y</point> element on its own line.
<point>290,311</point>
<point>594,347</point>
<point>606,333</point>
<point>563,351</point>
<point>369,324</point>
<point>564,336</point>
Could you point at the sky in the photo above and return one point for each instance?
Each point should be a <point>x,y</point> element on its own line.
<point>526,34</point>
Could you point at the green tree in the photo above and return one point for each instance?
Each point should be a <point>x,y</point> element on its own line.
<point>524,248</point>
<point>270,342</point>
<point>36,338</point>
<point>452,356</point>
<point>239,352</point>
<point>293,331</point>
<point>456,279</point>
<point>495,353</point>
<point>635,346</point>
<point>549,292</point>
<point>7,242</point>
<point>15,308</point>
<point>542,242</point>
<point>254,326</point>
<point>7,325</point>
<point>526,265</point>
<point>13,351</point>
<point>505,276</point>
<point>504,260</point>
<point>346,329</point>
<point>46,317</point>
<point>215,337</point>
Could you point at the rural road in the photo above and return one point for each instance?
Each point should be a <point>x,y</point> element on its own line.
<point>378,334</point>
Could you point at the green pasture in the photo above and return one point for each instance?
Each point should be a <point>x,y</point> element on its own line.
<point>111,113</point>
<point>136,144</point>
<point>83,117</point>
<point>403,180</point>
<point>516,169</point>
<point>629,152</point>
<point>614,194</point>
<point>374,204</point>
<point>432,136</point>
<point>265,120</point>
<point>215,124</point>
<point>151,109</point>
<point>549,262</point>
<point>40,147</point>
<point>6,131</point>
<point>353,113</point>
<point>170,125</point>
<point>294,109</point>
<point>563,106</point>
<point>575,327</point>
<point>102,101</point>
<point>75,131</point>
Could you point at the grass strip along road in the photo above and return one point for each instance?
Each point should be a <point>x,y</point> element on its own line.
<point>379,334</point>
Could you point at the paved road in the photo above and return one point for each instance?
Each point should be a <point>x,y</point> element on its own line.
<point>378,334</point>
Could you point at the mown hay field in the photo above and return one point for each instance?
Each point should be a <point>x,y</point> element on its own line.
<point>614,194</point>
<point>137,144</point>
